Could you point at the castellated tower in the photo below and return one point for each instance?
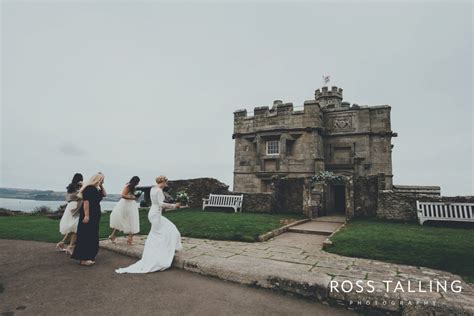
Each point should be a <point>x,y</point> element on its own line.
<point>276,141</point>
<point>329,98</point>
<point>325,134</point>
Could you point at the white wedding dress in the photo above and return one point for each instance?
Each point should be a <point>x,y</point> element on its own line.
<point>162,241</point>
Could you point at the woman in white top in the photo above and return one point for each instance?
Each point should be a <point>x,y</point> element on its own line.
<point>125,216</point>
<point>164,238</point>
<point>70,218</point>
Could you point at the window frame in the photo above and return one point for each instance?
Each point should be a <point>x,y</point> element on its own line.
<point>267,143</point>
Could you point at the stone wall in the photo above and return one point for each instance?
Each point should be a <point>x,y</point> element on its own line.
<point>417,189</point>
<point>288,195</point>
<point>197,189</point>
<point>365,196</point>
<point>256,202</point>
<point>297,132</point>
<point>402,207</point>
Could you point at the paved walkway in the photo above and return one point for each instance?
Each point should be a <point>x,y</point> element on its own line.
<point>35,279</point>
<point>296,263</point>
<point>325,225</point>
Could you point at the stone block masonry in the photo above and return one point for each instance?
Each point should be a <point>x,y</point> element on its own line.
<point>197,189</point>
<point>287,199</point>
<point>326,134</point>
<point>257,202</point>
<point>398,206</point>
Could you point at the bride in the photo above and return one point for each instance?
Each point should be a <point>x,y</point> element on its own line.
<point>164,238</point>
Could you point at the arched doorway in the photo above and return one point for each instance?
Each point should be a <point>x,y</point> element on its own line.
<point>335,199</point>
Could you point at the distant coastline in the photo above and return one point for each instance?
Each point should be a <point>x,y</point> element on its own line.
<point>10,206</point>
<point>42,195</point>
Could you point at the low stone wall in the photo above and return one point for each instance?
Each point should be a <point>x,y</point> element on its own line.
<point>288,195</point>
<point>397,206</point>
<point>418,189</point>
<point>197,189</point>
<point>256,202</point>
<point>286,198</point>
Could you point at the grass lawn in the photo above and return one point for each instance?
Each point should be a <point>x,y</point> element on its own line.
<point>443,248</point>
<point>190,222</point>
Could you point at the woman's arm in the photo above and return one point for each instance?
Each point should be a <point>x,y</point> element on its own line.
<point>126,194</point>
<point>168,205</point>
<point>102,190</point>
<point>163,204</point>
<point>172,206</point>
<point>86,212</point>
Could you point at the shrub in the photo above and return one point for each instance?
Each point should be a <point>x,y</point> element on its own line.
<point>41,210</point>
<point>61,209</point>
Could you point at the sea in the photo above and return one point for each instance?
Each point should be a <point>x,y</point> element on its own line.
<point>29,205</point>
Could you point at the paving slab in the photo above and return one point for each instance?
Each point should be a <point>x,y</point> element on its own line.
<point>296,263</point>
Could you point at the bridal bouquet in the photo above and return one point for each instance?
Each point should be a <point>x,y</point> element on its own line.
<point>182,197</point>
<point>137,194</point>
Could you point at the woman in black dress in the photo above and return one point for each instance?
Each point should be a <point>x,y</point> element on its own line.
<point>87,244</point>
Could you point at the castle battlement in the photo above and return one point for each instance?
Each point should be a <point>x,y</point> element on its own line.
<point>278,108</point>
<point>335,92</point>
<point>327,100</point>
<point>280,115</point>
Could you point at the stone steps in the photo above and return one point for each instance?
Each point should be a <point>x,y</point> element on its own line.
<point>314,232</point>
<point>331,219</point>
<point>320,226</point>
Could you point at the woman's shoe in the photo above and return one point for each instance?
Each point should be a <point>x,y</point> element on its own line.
<point>112,239</point>
<point>69,250</point>
<point>86,262</point>
<point>130,241</point>
<point>60,246</point>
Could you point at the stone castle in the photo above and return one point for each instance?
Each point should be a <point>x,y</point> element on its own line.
<point>327,134</point>
<point>279,150</point>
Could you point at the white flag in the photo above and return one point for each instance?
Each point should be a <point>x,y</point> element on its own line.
<point>326,79</point>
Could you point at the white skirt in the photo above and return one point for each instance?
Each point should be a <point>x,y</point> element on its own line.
<point>160,246</point>
<point>125,217</point>
<point>68,223</point>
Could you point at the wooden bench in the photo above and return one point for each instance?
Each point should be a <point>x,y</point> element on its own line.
<point>218,200</point>
<point>445,211</point>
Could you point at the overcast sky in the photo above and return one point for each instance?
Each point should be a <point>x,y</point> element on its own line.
<point>149,88</point>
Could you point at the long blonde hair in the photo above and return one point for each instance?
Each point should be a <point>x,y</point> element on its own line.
<point>94,180</point>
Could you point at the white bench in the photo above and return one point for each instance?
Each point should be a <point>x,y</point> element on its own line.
<point>218,200</point>
<point>445,211</point>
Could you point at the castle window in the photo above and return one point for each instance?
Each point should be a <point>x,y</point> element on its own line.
<point>273,147</point>
<point>266,186</point>
<point>289,147</point>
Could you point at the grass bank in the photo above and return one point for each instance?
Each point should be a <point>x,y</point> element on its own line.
<point>190,222</point>
<point>443,248</point>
